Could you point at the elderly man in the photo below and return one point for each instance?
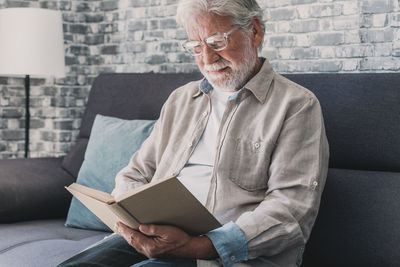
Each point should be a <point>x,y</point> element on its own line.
<point>247,142</point>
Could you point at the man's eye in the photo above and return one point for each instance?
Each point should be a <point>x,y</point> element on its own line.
<point>216,41</point>
<point>197,48</point>
<point>217,44</point>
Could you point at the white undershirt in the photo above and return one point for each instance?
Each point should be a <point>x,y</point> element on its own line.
<point>196,175</point>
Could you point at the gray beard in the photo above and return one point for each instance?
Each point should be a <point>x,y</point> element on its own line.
<point>234,81</point>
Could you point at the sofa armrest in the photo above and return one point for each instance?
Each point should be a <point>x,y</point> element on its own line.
<point>33,189</point>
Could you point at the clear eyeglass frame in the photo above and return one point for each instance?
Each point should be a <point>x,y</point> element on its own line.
<point>217,42</point>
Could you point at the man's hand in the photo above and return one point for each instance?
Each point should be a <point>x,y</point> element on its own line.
<point>161,241</point>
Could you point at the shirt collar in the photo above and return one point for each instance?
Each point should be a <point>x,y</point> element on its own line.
<point>258,85</point>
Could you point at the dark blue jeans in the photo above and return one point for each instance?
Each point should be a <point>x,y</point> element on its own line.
<point>115,251</point>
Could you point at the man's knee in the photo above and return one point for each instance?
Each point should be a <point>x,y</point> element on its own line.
<point>111,251</point>
<point>166,263</point>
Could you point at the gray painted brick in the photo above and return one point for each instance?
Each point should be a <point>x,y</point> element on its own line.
<point>383,49</point>
<point>49,90</point>
<point>377,6</point>
<point>3,80</point>
<point>153,24</point>
<point>12,113</point>
<point>304,26</point>
<point>80,6</point>
<point>137,25</point>
<point>137,47</point>
<point>270,54</point>
<point>12,135</point>
<point>109,49</point>
<point>185,58</point>
<point>107,28</point>
<point>154,35</point>
<point>170,47</point>
<point>301,2</point>
<point>34,124</point>
<point>109,5</point>
<point>78,50</point>
<point>70,60</point>
<point>281,41</point>
<point>97,17</point>
<point>380,63</point>
<point>169,2</point>
<point>396,20</point>
<point>156,59</point>
<point>326,10</point>
<point>63,125</point>
<point>64,5</point>
<point>282,14</point>
<point>48,136</point>
<point>139,3</point>
<point>168,23</point>
<point>49,5</point>
<point>350,51</point>
<point>303,53</point>
<point>346,23</point>
<point>326,66</point>
<point>335,38</point>
<point>94,39</point>
<point>78,28</point>
<point>18,4</point>
<point>376,35</point>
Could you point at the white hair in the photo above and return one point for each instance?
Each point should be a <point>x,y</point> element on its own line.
<point>242,12</point>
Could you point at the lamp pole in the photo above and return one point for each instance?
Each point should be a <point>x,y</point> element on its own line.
<point>27,114</point>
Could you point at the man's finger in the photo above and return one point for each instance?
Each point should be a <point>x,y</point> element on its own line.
<point>134,238</point>
<point>157,230</point>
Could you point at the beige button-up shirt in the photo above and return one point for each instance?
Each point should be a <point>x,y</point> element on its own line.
<point>270,166</point>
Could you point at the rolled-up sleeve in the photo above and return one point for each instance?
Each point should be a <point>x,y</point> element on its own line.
<point>297,174</point>
<point>230,243</point>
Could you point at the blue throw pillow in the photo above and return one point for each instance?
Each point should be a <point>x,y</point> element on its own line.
<point>111,144</point>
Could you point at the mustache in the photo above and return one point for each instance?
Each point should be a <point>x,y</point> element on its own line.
<point>220,64</point>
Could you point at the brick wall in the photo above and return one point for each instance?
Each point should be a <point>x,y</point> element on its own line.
<point>142,36</point>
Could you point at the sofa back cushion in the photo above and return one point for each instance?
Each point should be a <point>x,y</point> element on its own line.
<point>358,222</point>
<point>362,114</point>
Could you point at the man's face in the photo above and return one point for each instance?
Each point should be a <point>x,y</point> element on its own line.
<point>230,68</point>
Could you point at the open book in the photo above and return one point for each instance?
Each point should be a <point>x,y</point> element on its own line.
<point>163,202</point>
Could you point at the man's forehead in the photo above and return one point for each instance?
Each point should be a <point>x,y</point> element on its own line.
<point>207,23</point>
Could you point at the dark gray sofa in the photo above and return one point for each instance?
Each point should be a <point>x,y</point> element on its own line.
<point>360,210</point>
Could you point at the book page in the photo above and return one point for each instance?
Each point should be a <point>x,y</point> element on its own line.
<point>97,194</point>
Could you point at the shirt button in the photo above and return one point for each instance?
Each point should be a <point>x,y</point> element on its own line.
<point>205,113</point>
<point>233,258</point>
<point>314,185</point>
<point>190,144</point>
<point>257,145</point>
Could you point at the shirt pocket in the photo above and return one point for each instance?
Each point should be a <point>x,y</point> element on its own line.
<point>249,163</point>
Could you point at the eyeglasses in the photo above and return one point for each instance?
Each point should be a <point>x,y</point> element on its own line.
<point>217,42</point>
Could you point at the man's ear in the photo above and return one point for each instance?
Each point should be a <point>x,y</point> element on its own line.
<point>257,32</point>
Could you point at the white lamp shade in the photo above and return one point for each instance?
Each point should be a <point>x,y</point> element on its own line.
<point>31,42</point>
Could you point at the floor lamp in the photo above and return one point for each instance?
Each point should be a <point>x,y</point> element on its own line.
<point>31,44</point>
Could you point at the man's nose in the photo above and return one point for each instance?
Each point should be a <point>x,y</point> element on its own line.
<point>209,55</point>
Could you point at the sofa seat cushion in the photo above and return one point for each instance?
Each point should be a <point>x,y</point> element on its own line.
<point>42,242</point>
